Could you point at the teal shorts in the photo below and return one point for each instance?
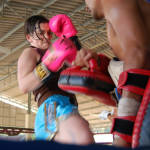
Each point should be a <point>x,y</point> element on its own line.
<point>55,109</point>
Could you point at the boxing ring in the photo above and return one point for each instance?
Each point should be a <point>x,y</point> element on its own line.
<point>40,145</point>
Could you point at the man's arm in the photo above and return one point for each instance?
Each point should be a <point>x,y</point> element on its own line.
<point>26,64</point>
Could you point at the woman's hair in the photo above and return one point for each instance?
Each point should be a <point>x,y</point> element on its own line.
<point>30,23</point>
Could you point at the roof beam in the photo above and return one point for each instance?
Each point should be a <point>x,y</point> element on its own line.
<point>22,23</point>
<point>4,5</point>
<point>4,49</point>
<point>70,14</point>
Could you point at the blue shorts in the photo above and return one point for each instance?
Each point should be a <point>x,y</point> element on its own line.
<point>55,109</point>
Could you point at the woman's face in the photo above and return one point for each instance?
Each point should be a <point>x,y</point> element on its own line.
<point>41,38</point>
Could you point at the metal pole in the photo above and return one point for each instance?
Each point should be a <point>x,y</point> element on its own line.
<point>29,103</point>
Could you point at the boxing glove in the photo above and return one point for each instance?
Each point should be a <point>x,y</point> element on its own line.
<point>104,114</point>
<point>62,26</point>
<point>61,51</point>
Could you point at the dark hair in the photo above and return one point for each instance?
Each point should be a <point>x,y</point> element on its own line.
<point>30,23</point>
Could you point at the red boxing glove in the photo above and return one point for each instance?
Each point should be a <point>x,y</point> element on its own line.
<point>63,27</point>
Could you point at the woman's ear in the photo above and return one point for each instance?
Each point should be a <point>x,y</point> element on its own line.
<point>29,38</point>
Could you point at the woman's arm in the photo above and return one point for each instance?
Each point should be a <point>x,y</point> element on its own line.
<point>26,64</point>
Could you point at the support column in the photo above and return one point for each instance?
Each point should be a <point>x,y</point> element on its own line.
<point>28,117</point>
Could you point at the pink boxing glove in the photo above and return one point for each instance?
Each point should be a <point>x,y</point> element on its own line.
<point>63,27</point>
<point>62,50</point>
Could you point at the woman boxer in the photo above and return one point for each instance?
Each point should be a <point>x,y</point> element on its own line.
<point>57,117</point>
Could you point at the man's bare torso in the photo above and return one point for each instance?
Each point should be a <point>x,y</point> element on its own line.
<point>114,43</point>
